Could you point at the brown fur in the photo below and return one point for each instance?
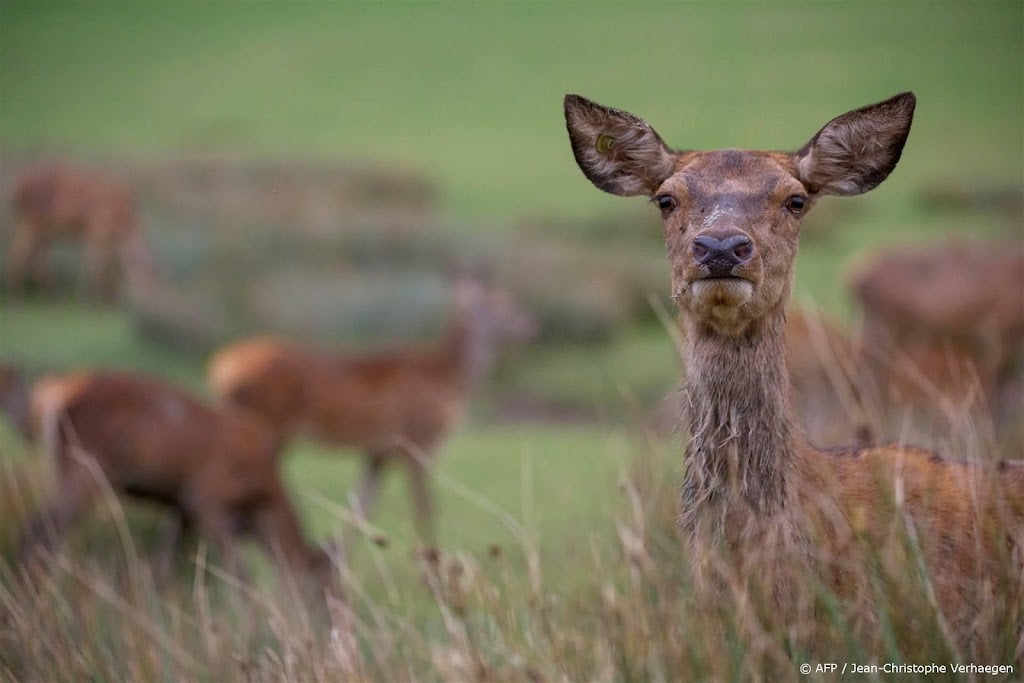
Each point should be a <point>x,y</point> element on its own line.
<point>752,483</point>
<point>64,202</point>
<point>392,405</point>
<point>216,468</point>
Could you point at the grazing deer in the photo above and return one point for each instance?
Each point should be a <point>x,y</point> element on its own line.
<point>58,201</point>
<point>944,328</point>
<point>753,484</point>
<point>394,406</point>
<point>216,468</point>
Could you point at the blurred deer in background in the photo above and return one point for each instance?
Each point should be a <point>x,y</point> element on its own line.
<point>57,202</point>
<point>216,469</point>
<point>394,406</point>
<point>943,332</point>
<point>754,487</point>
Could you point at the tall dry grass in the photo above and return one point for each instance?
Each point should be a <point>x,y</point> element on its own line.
<point>621,605</point>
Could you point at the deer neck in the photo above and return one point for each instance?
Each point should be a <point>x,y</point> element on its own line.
<point>467,349</point>
<point>743,445</point>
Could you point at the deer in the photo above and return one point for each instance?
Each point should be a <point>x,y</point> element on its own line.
<point>943,328</point>
<point>395,406</point>
<point>753,486</point>
<point>60,201</point>
<point>216,469</point>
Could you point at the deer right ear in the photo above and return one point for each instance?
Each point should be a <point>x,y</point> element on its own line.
<point>618,152</point>
<point>855,152</point>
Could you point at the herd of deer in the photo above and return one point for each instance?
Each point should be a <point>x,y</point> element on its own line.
<point>216,466</point>
<point>952,316</point>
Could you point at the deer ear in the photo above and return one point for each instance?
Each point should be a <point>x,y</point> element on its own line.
<point>618,152</point>
<point>855,152</point>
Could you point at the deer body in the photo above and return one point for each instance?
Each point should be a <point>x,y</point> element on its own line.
<point>374,403</point>
<point>216,468</point>
<point>64,202</point>
<point>396,405</point>
<point>944,328</point>
<point>753,484</point>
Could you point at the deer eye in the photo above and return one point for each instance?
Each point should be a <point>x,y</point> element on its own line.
<point>796,204</point>
<point>665,202</point>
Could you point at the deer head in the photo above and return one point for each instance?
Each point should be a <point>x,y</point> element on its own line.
<point>731,218</point>
<point>491,311</point>
<point>486,318</point>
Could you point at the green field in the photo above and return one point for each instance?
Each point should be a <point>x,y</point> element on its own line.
<point>472,92</point>
<point>469,94</point>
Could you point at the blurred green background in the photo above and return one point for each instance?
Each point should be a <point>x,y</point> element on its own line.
<point>467,97</point>
<point>471,92</point>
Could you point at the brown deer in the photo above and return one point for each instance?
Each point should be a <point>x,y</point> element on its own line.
<point>395,405</point>
<point>753,484</point>
<point>60,201</point>
<point>943,328</point>
<point>216,468</point>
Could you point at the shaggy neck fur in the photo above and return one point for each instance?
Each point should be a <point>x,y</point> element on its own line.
<point>743,440</point>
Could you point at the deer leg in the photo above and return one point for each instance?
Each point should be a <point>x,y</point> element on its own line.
<point>175,528</point>
<point>365,496</point>
<point>217,525</point>
<point>76,491</point>
<point>24,253</point>
<point>423,511</point>
<point>100,266</point>
<point>276,526</point>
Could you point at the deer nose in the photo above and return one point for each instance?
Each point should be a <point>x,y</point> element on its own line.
<point>722,255</point>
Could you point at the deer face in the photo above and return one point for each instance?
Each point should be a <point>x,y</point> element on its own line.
<point>731,218</point>
<point>493,312</point>
<point>731,221</point>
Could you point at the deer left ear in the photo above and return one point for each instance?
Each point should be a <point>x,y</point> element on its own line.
<point>618,152</point>
<point>855,152</point>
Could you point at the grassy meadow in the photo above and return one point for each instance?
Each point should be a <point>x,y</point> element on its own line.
<point>557,524</point>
